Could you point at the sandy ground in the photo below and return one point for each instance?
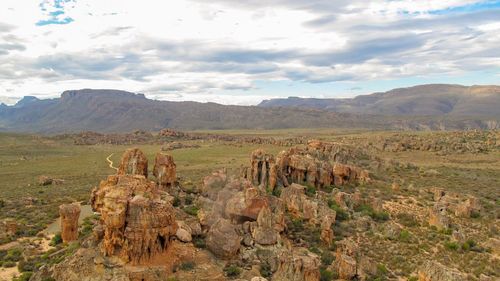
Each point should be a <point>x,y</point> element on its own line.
<point>6,274</point>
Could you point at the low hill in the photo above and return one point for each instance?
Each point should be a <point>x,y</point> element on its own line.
<point>424,100</point>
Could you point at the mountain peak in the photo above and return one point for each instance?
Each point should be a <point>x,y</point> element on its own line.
<point>25,101</point>
<point>70,94</point>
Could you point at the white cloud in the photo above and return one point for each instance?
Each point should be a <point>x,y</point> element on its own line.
<point>201,50</point>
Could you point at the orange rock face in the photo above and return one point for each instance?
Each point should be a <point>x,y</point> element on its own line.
<point>165,170</point>
<point>263,169</point>
<point>69,221</point>
<point>133,162</point>
<point>327,231</point>
<point>137,222</point>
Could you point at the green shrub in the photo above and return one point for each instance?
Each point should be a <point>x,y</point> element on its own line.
<point>188,200</point>
<point>177,201</point>
<point>13,255</point>
<point>368,211</point>
<point>199,242</point>
<point>187,266</point>
<point>451,245</point>
<point>265,270</point>
<point>404,236</point>
<point>327,258</point>
<point>56,240</point>
<point>7,264</point>
<point>341,214</point>
<point>191,210</point>
<point>475,215</point>
<point>310,190</point>
<point>407,220</point>
<point>232,271</point>
<point>326,275</point>
<point>25,276</point>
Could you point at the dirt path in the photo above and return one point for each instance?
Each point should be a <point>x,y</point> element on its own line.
<point>111,162</point>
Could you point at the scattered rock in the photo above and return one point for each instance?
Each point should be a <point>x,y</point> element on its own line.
<point>223,240</point>
<point>434,271</point>
<point>165,171</point>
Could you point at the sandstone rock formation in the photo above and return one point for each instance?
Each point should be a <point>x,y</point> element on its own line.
<point>133,162</point>
<point>165,170</point>
<point>298,265</point>
<point>264,233</point>
<point>470,206</point>
<point>319,164</point>
<point>345,259</point>
<point>223,240</point>
<point>137,222</point>
<point>438,216</point>
<point>327,234</point>
<point>69,214</point>
<point>263,169</point>
<point>434,271</point>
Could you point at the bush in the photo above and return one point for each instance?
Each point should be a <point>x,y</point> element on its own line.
<point>187,266</point>
<point>265,270</point>
<point>191,210</point>
<point>368,210</point>
<point>25,276</point>
<point>475,215</point>
<point>199,242</point>
<point>451,245</point>
<point>9,264</point>
<point>232,271</point>
<point>13,255</point>
<point>341,214</point>
<point>56,240</point>
<point>407,220</point>
<point>310,190</point>
<point>404,236</point>
<point>326,275</point>
<point>327,258</point>
<point>188,200</point>
<point>177,201</point>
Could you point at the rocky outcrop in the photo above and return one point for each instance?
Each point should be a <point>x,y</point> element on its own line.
<point>165,170</point>
<point>438,216</point>
<point>133,162</point>
<point>345,259</point>
<point>298,265</point>
<point>263,169</point>
<point>264,233</point>
<point>69,214</point>
<point>223,240</point>
<point>467,208</point>
<point>319,164</point>
<point>327,234</point>
<point>434,271</point>
<point>137,222</point>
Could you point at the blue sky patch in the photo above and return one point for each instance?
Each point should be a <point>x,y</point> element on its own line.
<point>54,12</point>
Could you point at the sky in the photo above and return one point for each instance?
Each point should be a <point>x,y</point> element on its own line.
<point>241,52</point>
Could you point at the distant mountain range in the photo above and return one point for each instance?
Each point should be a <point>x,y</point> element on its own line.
<point>440,107</point>
<point>424,100</point>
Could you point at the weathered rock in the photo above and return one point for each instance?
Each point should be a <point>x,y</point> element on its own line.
<point>345,259</point>
<point>165,170</point>
<point>438,216</point>
<point>468,207</point>
<point>434,271</point>
<point>327,234</point>
<point>183,235</point>
<point>213,183</point>
<point>264,233</point>
<point>438,194</point>
<point>263,169</point>
<point>69,221</point>
<point>223,240</point>
<point>297,265</point>
<point>137,223</point>
<point>44,180</point>
<point>133,162</point>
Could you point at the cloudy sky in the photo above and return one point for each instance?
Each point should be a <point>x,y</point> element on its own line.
<point>240,52</point>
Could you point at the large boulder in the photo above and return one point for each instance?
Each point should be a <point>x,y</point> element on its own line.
<point>264,233</point>
<point>438,216</point>
<point>133,162</point>
<point>69,214</point>
<point>138,224</point>
<point>222,239</point>
<point>263,169</point>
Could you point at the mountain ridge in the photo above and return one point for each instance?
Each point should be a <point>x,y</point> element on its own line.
<point>426,100</point>
<point>107,110</point>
